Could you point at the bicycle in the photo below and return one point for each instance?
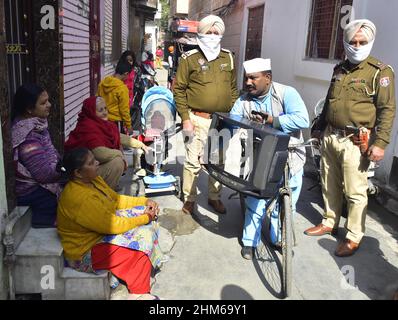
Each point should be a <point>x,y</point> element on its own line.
<point>262,171</point>
<point>285,214</point>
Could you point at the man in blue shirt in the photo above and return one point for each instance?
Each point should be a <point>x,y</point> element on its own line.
<point>285,111</point>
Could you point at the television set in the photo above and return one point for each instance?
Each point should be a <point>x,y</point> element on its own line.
<point>245,155</point>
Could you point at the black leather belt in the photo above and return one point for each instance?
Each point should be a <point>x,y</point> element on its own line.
<point>343,132</point>
<point>340,132</point>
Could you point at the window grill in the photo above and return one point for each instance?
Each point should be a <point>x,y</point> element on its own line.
<point>325,36</point>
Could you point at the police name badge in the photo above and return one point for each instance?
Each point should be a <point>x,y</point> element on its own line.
<point>385,82</point>
<point>203,65</point>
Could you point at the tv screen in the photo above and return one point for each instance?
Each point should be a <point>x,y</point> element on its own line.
<point>246,156</point>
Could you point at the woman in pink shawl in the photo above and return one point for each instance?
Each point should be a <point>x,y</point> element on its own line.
<point>35,158</point>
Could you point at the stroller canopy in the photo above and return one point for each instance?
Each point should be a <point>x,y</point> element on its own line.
<point>158,109</point>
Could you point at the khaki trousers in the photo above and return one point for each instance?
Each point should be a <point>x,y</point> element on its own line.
<point>194,150</point>
<point>344,173</point>
<point>112,171</point>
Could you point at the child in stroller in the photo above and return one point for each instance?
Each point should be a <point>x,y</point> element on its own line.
<point>158,120</point>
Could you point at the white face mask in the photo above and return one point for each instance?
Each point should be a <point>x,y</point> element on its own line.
<point>357,55</point>
<point>210,45</point>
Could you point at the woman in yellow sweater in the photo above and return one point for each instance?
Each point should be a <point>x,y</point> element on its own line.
<point>102,230</point>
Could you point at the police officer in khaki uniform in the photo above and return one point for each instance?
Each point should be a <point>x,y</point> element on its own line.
<point>361,95</point>
<point>205,83</point>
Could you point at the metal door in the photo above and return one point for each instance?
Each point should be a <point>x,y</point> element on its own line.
<point>21,69</point>
<point>95,48</point>
<point>19,47</point>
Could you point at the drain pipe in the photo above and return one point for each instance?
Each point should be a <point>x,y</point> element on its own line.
<point>9,243</point>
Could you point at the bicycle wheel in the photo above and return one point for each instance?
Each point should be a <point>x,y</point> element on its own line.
<point>287,245</point>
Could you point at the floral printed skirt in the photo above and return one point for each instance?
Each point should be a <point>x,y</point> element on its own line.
<point>143,238</point>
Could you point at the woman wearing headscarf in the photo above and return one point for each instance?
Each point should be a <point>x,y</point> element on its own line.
<point>95,132</point>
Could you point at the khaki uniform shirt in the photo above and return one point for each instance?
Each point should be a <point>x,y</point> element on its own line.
<point>363,96</point>
<point>205,86</point>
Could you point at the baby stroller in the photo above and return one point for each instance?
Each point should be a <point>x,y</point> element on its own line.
<point>158,120</point>
<point>144,80</point>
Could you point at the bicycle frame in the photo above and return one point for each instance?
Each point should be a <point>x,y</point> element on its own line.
<point>284,190</point>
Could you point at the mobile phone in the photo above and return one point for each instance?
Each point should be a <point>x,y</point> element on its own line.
<point>262,115</point>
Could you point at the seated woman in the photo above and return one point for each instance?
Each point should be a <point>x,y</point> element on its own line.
<point>35,157</point>
<point>101,230</point>
<point>102,137</point>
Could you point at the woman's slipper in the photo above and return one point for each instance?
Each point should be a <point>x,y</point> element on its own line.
<point>145,296</point>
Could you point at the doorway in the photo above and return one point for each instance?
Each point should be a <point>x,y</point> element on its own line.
<point>20,69</point>
<point>19,46</point>
<point>95,47</point>
<point>255,32</point>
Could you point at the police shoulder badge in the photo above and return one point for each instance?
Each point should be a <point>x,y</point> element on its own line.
<point>385,82</point>
<point>224,66</point>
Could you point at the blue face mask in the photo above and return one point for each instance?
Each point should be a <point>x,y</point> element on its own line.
<point>357,55</point>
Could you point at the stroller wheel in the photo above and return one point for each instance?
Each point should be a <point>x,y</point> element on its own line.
<point>178,188</point>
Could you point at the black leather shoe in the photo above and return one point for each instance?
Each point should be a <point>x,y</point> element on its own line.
<point>247,253</point>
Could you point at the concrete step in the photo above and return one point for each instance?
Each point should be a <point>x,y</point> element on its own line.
<point>86,286</point>
<point>39,261</point>
<point>39,269</point>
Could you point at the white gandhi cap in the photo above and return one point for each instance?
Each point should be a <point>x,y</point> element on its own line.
<point>257,65</point>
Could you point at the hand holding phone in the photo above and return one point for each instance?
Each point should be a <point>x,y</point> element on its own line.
<point>263,116</point>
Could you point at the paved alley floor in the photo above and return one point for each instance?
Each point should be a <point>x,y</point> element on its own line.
<point>205,262</point>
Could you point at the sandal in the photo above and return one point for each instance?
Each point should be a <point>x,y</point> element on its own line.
<point>145,296</point>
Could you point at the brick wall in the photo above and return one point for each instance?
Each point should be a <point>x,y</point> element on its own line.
<point>200,9</point>
<point>233,33</point>
<point>233,21</point>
